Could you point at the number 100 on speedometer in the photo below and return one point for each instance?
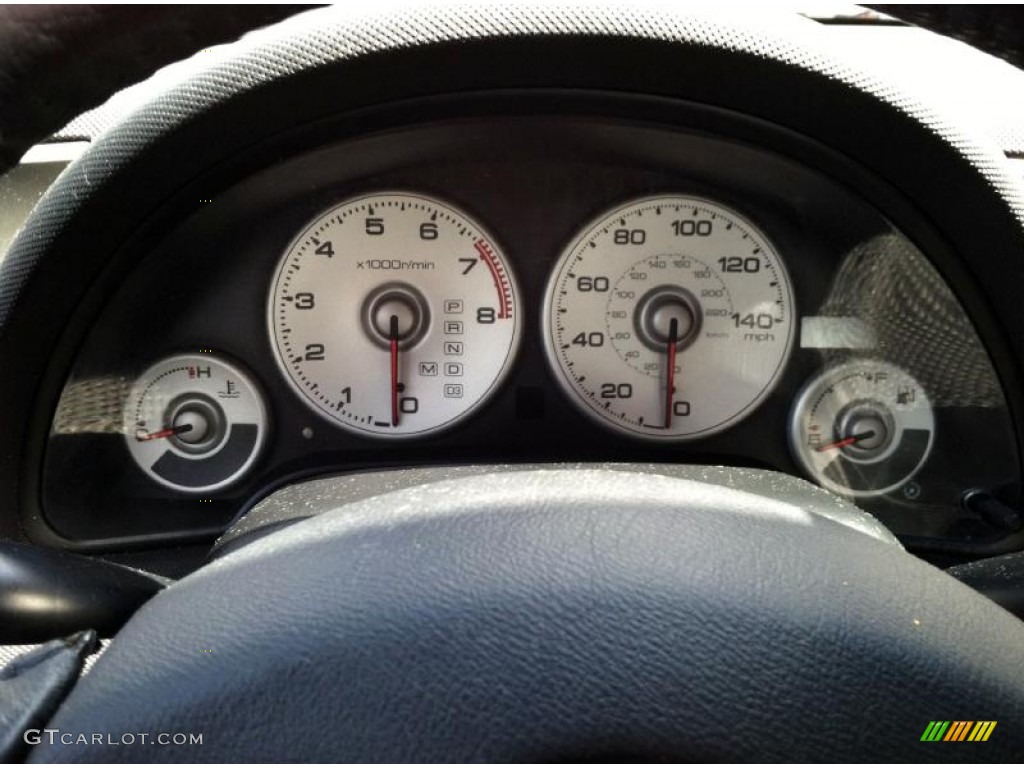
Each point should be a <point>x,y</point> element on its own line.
<point>669,318</point>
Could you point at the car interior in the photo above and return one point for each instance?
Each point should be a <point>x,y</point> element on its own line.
<point>530,381</point>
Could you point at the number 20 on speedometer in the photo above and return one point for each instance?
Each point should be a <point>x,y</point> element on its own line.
<point>669,318</point>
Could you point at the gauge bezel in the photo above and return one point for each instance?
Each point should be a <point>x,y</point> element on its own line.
<point>497,382</point>
<point>582,404</point>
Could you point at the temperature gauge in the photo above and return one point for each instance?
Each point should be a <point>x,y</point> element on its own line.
<point>195,423</point>
<point>862,429</point>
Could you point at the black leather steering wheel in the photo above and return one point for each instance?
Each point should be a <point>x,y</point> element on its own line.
<point>584,614</point>
<point>542,615</point>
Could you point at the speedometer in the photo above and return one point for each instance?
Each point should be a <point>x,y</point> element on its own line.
<point>394,315</point>
<point>669,318</point>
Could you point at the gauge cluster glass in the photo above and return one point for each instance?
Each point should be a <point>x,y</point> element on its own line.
<point>537,289</point>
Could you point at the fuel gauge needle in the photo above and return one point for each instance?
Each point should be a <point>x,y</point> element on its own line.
<point>394,370</point>
<point>851,440</point>
<point>162,433</point>
<point>670,383</point>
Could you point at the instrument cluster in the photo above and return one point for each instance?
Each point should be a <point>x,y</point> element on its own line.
<point>529,290</point>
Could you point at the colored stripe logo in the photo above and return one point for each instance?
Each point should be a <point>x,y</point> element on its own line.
<point>958,730</point>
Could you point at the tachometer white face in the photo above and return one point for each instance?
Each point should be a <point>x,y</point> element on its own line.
<point>669,318</point>
<point>394,315</point>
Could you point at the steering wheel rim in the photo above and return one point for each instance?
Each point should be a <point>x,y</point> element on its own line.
<point>37,45</point>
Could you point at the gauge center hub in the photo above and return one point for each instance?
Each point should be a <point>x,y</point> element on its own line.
<point>204,422</point>
<point>664,312</point>
<point>398,312</point>
<point>873,426</point>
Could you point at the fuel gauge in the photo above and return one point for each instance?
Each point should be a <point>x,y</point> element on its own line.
<point>862,428</point>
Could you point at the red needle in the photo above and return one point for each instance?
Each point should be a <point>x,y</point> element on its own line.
<point>169,432</point>
<point>670,384</point>
<point>394,370</point>
<point>846,441</point>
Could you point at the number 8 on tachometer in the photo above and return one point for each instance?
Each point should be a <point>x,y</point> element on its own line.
<point>669,318</point>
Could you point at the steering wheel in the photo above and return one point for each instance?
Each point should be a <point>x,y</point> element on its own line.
<point>609,613</point>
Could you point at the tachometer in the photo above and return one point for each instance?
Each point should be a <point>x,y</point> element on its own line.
<point>394,315</point>
<point>669,318</point>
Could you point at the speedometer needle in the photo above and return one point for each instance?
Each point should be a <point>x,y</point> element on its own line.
<point>670,383</point>
<point>851,440</point>
<point>393,334</point>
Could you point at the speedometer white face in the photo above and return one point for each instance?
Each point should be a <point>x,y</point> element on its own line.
<point>669,318</point>
<point>394,315</point>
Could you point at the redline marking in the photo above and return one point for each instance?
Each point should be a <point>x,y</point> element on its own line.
<point>500,281</point>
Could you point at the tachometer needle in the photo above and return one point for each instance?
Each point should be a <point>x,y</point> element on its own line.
<point>162,433</point>
<point>851,440</point>
<point>670,381</point>
<point>394,370</point>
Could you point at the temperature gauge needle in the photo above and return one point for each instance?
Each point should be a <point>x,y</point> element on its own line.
<point>670,383</point>
<point>162,433</point>
<point>851,440</point>
<point>394,370</point>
